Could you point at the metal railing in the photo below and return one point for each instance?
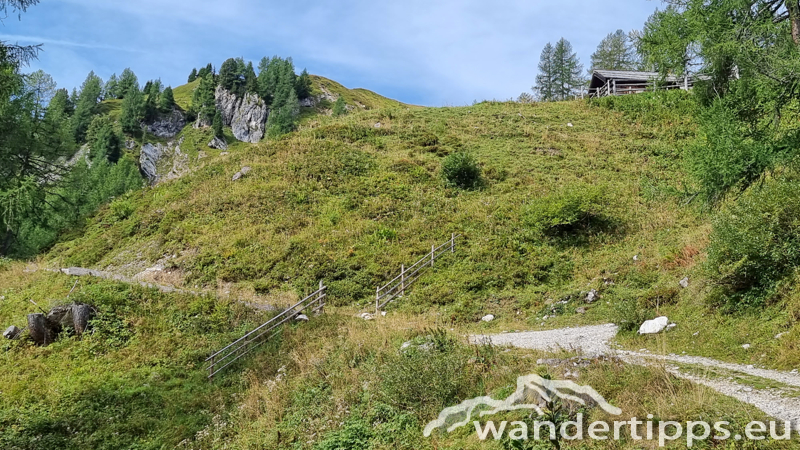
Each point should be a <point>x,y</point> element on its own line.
<point>408,275</point>
<point>244,345</point>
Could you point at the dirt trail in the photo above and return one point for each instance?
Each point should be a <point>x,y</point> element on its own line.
<point>781,403</point>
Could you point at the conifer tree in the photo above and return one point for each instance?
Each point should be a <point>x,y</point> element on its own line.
<point>103,140</point>
<point>228,75</point>
<point>112,87</point>
<point>303,85</point>
<point>132,110</point>
<point>167,100</point>
<point>545,81</point>
<point>340,107</point>
<point>250,80</point>
<point>216,125</point>
<point>127,82</point>
<point>568,70</point>
<point>203,101</point>
<point>615,52</point>
<point>193,76</point>
<point>91,89</point>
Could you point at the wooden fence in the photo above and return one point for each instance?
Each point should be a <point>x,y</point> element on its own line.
<point>244,345</point>
<point>408,275</point>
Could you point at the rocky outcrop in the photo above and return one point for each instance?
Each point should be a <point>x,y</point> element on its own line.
<point>247,117</point>
<point>218,144</point>
<point>149,159</point>
<point>167,126</point>
<point>163,162</point>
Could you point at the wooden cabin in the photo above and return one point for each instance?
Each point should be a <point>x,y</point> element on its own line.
<point>617,82</point>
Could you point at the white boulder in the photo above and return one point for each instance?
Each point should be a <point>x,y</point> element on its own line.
<point>654,326</point>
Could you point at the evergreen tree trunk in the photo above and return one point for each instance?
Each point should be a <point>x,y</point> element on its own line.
<point>793,7</point>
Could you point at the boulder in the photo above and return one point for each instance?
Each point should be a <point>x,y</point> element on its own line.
<point>245,170</point>
<point>301,318</point>
<point>167,126</point>
<point>684,283</point>
<point>11,332</point>
<point>487,318</point>
<point>218,144</point>
<point>592,296</point>
<point>366,316</point>
<point>654,326</point>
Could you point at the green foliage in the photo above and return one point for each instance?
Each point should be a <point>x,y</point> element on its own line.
<point>724,157</point>
<point>565,210</point>
<point>340,107</point>
<point>284,113</point>
<point>111,89</point>
<point>193,76</point>
<point>461,170</point>
<point>90,94</point>
<point>230,77</point>
<point>560,72</point>
<point>122,209</point>
<point>167,100</point>
<point>755,244</point>
<point>104,140</point>
<point>203,101</point>
<point>303,85</point>
<point>128,82</point>
<point>133,110</point>
<point>615,52</point>
<point>216,125</point>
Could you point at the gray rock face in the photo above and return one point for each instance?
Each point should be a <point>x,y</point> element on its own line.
<point>149,159</point>
<point>163,162</point>
<point>168,126</point>
<point>238,175</point>
<point>246,116</point>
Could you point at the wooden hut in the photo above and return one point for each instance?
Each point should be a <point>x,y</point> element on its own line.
<point>617,82</point>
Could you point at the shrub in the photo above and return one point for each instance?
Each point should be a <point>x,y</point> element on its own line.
<point>461,170</point>
<point>755,244</point>
<point>565,210</point>
<point>122,209</point>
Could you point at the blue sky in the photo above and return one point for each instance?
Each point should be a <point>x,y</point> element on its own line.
<point>426,52</point>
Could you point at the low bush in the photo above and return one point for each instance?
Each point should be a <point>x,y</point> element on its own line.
<point>461,170</point>
<point>755,244</point>
<point>566,210</point>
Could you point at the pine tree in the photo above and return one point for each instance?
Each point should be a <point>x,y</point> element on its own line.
<point>132,110</point>
<point>615,52</point>
<point>216,125</point>
<point>150,106</point>
<point>91,89</point>
<point>112,87</point>
<point>228,75</point>
<point>127,82</point>
<point>282,120</point>
<point>167,100</point>
<point>568,70</point>
<point>203,101</point>
<point>193,76</point>
<point>340,107</point>
<point>103,140</point>
<point>545,81</point>
<point>250,80</point>
<point>303,85</point>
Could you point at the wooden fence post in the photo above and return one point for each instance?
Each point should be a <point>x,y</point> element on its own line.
<point>452,243</point>
<point>377,297</point>
<point>402,280</point>
<point>320,299</point>
<point>432,257</point>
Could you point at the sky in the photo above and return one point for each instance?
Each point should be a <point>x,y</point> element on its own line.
<point>424,52</point>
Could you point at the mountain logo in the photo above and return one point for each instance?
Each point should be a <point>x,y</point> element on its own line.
<point>546,389</point>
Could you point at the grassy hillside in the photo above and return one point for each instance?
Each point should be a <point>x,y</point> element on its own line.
<point>573,196</point>
<point>347,201</point>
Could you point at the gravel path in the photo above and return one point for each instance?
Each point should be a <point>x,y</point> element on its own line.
<point>595,340</point>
